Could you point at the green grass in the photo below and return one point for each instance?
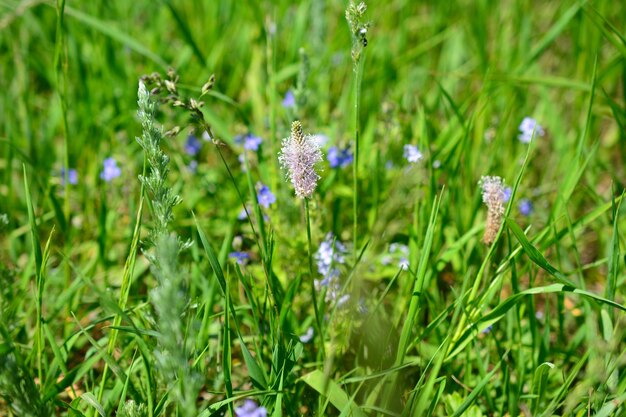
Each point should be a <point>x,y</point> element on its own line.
<point>100,317</point>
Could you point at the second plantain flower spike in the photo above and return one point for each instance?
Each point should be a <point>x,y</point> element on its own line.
<point>494,197</point>
<point>299,156</point>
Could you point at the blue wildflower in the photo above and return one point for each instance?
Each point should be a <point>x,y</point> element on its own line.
<point>412,154</point>
<point>193,166</point>
<point>334,157</point>
<point>525,207</point>
<point>264,195</point>
<point>193,145</point>
<point>528,129</point>
<point>339,158</point>
<point>399,252</point>
<point>308,336</point>
<point>403,263</point>
<point>330,254</point>
<point>240,257</point>
<point>344,299</point>
<point>72,176</point>
<point>249,141</point>
<point>252,142</point>
<point>250,409</point>
<point>507,194</point>
<point>110,170</point>
<point>290,100</point>
<point>242,161</point>
<point>242,215</point>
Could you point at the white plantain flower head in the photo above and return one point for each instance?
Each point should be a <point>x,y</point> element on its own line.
<point>494,197</point>
<point>299,156</point>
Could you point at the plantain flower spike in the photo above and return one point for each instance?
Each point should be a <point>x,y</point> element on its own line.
<point>494,197</point>
<point>299,156</point>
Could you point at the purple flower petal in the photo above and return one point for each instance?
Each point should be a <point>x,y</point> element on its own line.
<point>264,195</point>
<point>289,101</point>
<point>110,170</point>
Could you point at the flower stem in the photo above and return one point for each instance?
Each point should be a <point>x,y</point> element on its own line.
<point>355,167</point>
<point>313,293</point>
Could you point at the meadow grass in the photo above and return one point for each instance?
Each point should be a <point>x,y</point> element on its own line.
<point>178,274</point>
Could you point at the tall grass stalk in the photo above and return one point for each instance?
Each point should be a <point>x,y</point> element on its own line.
<point>358,29</point>
<point>355,167</point>
<point>170,297</point>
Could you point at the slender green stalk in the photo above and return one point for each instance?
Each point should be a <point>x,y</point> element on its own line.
<point>355,166</point>
<point>311,273</point>
<point>355,14</point>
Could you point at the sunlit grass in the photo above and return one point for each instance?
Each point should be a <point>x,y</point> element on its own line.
<point>397,284</point>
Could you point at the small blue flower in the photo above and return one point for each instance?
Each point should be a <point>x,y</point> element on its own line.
<point>334,158</point>
<point>264,195</point>
<point>250,409</point>
<point>193,166</point>
<point>252,142</point>
<point>528,129</point>
<point>412,154</point>
<point>110,170</point>
<point>240,257</point>
<point>289,101</point>
<point>339,158</point>
<point>399,248</point>
<point>399,252</point>
<point>525,207</point>
<point>507,194</point>
<point>72,176</point>
<point>330,253</point>
<point>249,141</point>
<point>488,329</point>
<point>308,336</point>
<point>242,161</point>
<point>193,145</point>
<point>403,263</point>
<point>242,215</point>
<point>343,300</point>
